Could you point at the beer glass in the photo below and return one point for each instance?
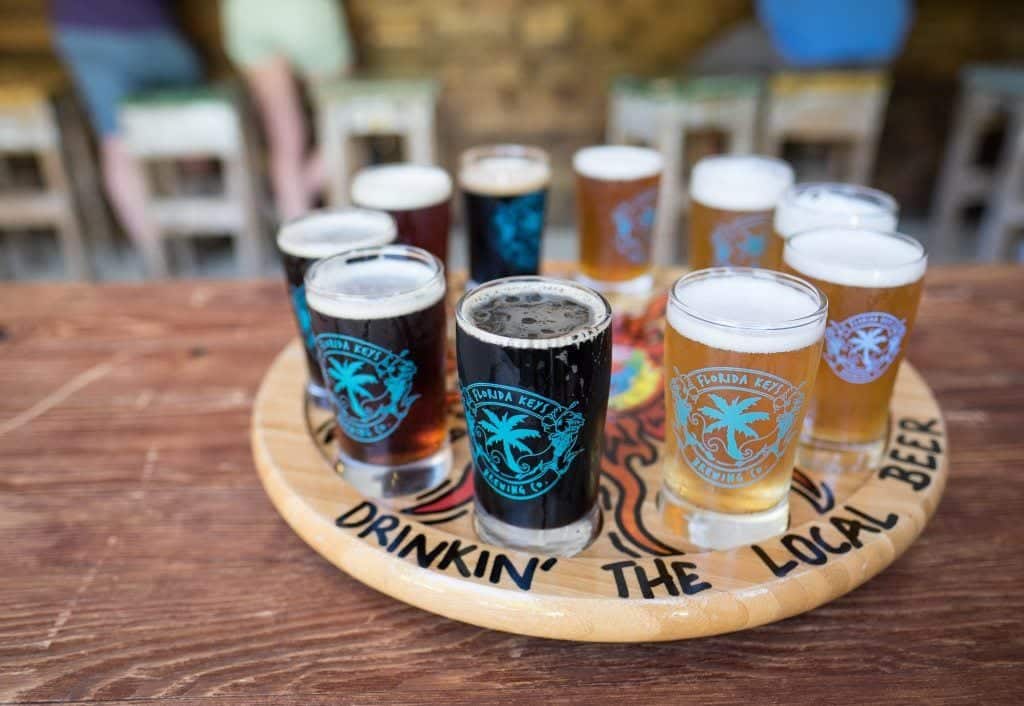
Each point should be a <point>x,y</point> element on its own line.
<point>417,196</point>
<point>317,235</point>
<point>873,280</point>
<point>378,317</point>
<point>505,189</point>
<point>731,202</point>
<point>815,204</point>
<point>616,200</point>
<point>534,360</point>
<point>742,347</point>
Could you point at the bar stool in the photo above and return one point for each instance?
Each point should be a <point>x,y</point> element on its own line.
<point>828,107</point>
<point>29,126</point>
<point>175,125</point>
<point>660,112</point>
<point>363,107</point>
<point>987,92</point>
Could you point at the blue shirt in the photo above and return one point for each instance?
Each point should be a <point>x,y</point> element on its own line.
<point>122,15</point>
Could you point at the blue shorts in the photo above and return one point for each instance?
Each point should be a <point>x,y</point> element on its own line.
<point>110,65</point>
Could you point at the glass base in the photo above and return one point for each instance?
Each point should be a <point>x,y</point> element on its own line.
<point>831,457</point>
<point>559,541</point>
<point>377,481</point>
<point>718,530</point>
<point>319,395</point>
<point>638,285</point>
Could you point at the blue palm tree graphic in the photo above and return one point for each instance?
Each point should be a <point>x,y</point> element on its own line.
<point>735,419</point>
<point>505,430</point>
<point>866,342</point>
<point>349,380</point>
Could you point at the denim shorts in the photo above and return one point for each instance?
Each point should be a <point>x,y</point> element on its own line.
<point>109,65</point>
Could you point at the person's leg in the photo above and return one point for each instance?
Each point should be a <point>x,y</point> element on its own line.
<point>277,99</point>
<point>126,189</point>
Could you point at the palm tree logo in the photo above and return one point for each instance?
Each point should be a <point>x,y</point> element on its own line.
<point>733,417</point>
<point>505,430</point>
<point>349,380</point>
<point>868,341</point>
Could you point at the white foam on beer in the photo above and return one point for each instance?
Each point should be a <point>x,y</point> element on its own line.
<point>400,187</point>
<point>740,182</point>
<point>735,312</point>
<point>617,162</point>
<point>324,233</point>
<point>504,176</point>
<point>856,258</point>
<point>380,288</point>
<point>600,313</point>
<point>828,205</point>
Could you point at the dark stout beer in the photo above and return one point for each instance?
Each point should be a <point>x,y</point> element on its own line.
<point>378,316</point>
<point>534,359</point>
<point>315,236</point>
<point>505,189</point>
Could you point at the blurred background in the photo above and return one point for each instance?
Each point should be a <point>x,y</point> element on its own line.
<point>188,174</point>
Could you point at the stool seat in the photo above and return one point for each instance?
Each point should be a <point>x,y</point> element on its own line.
<point>1004,80</point>
<point>689,88</point>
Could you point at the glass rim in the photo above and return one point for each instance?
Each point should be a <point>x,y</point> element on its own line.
<point>868,193</point>
<point>329,211</point>
<point>375,252</point>
<point>504,149</point>
<point>793,282</point>
<point>375,170</point>
<point>922,253</point>
<point>604,320</point>
<point>650,152</point>
<point>730,156</point>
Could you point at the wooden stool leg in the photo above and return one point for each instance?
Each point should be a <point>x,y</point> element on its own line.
<point>335,144</point>
<point>419,140</point>
<point>70,235</point>
<point>616,132</point>
<point>670,143</point>
<point>742,128</point>
<point>248,242</point>
<point>1005,208</point>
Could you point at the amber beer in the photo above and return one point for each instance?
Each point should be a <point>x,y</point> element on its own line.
<point>732,198</point>
<point>816,204</point>
<point>873,281</point>
<point>616,202</point>
<point>312,237</point>
<point>418,197</point>
<point>741,353</point>
<point>378,317</point>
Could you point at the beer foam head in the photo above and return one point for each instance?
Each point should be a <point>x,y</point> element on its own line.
<point>856,257</point>
<point>504,175</point>
<point>735,182</point>
<point>545,310</point>
<point>400,187</point>
<point>324,233</point>
<point>807,206</point>
<point>747,310</point>
<point>375,283</point>
<point>617,162</point>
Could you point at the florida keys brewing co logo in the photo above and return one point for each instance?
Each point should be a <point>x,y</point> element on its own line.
<point>861,348</point>
<point>522,443</point>
<point>302,316</point>
<point>517,223</point>
<point>370,385</point>
<point>733,424</point>
<point>633,220</point>
<point>740,241</point>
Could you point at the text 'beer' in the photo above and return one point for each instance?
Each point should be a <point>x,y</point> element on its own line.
<point>741,354</point>
<point>378,318</point>
<point>505,190</point>
<point>732,199</point>
<point>534,359</point>
<point>873,280</point>
<point>313,237</point>
<point>616,207</point>
<point>417,196</point>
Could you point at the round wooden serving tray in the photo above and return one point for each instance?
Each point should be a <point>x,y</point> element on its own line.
<point>636,582</point>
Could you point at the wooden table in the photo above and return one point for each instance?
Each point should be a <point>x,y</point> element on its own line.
<point>142,563</point>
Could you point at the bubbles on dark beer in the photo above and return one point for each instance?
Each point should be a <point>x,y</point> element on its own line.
<point>535,315</point>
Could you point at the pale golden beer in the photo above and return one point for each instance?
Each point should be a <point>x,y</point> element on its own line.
<point>817,204</point>
<point>732,198</point>
<point>742,347</point>
<point>873,281</point>
<point>616,209</point>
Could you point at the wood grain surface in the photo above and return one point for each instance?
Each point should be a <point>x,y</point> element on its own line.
<point>141,562</point>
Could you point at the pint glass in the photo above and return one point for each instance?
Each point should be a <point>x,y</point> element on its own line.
<point>732,198</point>
<point>417,196</point>
<point>378,319</point>
<point>816,204</point>
<point>616,200</point>
<point>505,189</point>
<point>315,236</point>
<point>873,280</point>
<point>534,359</point>
<point>741,352</point>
